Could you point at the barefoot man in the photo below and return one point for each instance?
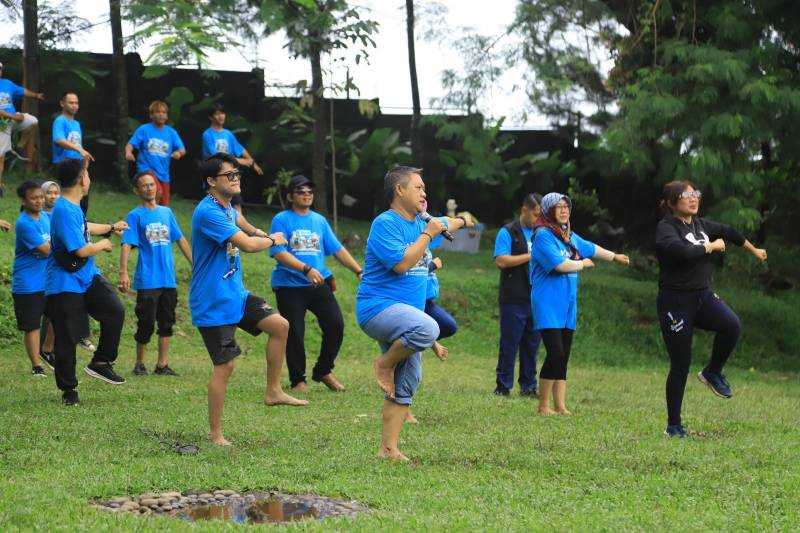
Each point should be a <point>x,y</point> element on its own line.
<point>391,297</point>
<point>217,297</point>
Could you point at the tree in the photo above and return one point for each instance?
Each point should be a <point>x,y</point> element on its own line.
<point>31,75</point>
<point>416,113</point>
<point>120,91</point>
<point>314,28</point>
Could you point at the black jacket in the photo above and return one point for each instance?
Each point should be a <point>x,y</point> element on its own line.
<point>683,262</point>
<point>515,284</point>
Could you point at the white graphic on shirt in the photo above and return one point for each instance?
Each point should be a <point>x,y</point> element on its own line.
<point>74,137</point>
<point>157,147</point>
<point>694,240</point>
<point>221,146</point>
<point>5,99</point>
<point>421,267</point>
<point>157,234</point>
<point>233,252</point>
<point>305,242</point>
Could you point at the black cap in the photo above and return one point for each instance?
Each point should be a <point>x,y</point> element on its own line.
<point>298,181</point>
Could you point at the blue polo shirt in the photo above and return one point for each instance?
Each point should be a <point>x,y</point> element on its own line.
<point>9,91</point>
<point>310,238</point>
<point>381,287</point>
<point>216,295</point>
<point>66,129</point>
<point>68,231</point>
<point>30,264</point>
<point>222,141</point>
<point>155,146</point>
<point>554,295</point>
<point>153,231</point>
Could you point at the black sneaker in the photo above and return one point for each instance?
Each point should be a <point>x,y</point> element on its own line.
<point>104,372</point>
<point>139,369</point>
<point>70,397</point>
<point>38,371</point>
<point>716,382</point>
<point>533,392</point>
<point>676,430</point>
<point>501,391</point>
<point>164,371</point>
<point>49,359</point>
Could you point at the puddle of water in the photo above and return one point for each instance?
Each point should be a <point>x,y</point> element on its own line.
<point>272,510</point>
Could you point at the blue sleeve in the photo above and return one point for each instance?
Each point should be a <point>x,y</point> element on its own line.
<point>29,235</point>
<point>175,232</point>
<point>330,244</point>
<point>502,244</point>
<point>236,147</point>
<point>546,250</point>
<point>586,248</point>
<point>59,130</point>
<point>73,233</point>
<point>276,226</point>
<point>137,138</point>
<point>436,242</point>
<point>131,235</point>
<point>17,91</point>
<point>208,144</point>
<point>177,143</point>
<point>387,243</point>
<point>217,227</point>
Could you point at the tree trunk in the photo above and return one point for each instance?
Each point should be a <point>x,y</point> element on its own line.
<point>31,77</point>
<point>318,154</point>
<point>416,142</point>
<point>120,93</point>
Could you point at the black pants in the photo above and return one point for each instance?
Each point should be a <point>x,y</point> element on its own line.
<point>293,302</point>
<point>68,310</point>
<point>558,343</point>
<point>155,305</point>
<point>678,314</point>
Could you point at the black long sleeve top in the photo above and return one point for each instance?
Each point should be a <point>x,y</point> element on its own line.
<point>683,262</point>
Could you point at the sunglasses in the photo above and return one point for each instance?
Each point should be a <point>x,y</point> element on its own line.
<point>233,175</point>
<point>304,192</point>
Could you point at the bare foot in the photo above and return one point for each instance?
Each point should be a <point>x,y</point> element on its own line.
<point>301,387</point>
<point>440,351</point>
<point>385,377</point>
<point>219,440</point>
<point>411,419</point>
<point>545,411</point>
<point>332,383</point>
<point>563,411</point>
<point>392,455</point>
<point>283,399</point>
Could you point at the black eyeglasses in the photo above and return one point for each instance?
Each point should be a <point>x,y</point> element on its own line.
<point>233,175</point>
<point>304,192</point>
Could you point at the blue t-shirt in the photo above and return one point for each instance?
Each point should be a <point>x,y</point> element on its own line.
<point>9,91</point>
<point>68,231</point>
<point>554,295</point>
<point>381,287</point>
<point>216,295</point>
<point>222,141</point>
<point>29,263</point>
<point>432,290</point>
<point>66,129</point>
<point>155,146</point>
<point>502,244</point>
<point>153,231</point>
<point>310,240</point>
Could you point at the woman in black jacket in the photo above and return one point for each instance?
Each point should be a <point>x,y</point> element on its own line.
<point>684,244</point>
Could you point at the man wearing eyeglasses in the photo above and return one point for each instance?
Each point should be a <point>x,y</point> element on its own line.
<point>302,282</point>
<point>218,299</point>
<point>11,121</point>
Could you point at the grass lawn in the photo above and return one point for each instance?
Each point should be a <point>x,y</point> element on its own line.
<point>479,461</point>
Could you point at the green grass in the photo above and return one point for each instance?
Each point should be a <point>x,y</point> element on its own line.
<point>479,462</point>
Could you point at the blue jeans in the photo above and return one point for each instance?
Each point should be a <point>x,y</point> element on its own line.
<point>416,331</point>
<point>517,333</point>
<point>447,324</point>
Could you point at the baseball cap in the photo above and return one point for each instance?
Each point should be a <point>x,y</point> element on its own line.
<point>298,181</point>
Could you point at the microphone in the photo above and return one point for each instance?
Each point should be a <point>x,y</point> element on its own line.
<point>427,218</point>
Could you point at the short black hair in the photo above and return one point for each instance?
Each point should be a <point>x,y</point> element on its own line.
<point>399,175</point>
<point>25,186</point>
<point>69,170</point>
<point>209,168</point>
<point>135,180</point>
<point>65,93</point>
<point>215,108</point>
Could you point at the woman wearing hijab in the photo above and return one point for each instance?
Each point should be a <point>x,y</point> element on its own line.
<point>686,299</point>
<point>557,255</point>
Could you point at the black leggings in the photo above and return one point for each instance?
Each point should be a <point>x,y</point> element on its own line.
<point>558,343</point>
<point>679,313</point>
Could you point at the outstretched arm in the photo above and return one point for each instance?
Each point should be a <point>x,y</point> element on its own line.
<point>344,257</point>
